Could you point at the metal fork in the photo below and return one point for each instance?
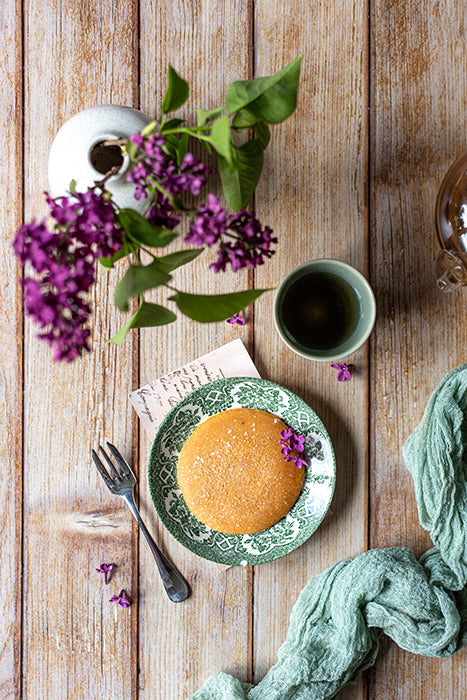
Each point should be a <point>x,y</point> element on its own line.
<point>122,483</point>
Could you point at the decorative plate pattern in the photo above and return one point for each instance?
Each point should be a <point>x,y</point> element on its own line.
<point>304,517</point>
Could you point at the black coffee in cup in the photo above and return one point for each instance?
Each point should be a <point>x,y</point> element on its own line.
<point>319,310</point>
<point>324,310</point>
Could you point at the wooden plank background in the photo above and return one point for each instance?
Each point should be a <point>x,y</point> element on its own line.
<point>352,175</point>
<point>10,354</point>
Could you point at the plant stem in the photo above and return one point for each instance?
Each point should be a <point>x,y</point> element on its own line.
<point>164,192</point>
<point>145,250</point>
<point>115,142</point>
<point>186,130</point>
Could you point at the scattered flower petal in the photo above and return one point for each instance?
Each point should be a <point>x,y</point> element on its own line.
<point>236,318</point>
<point>120,599</point>
<point>105,569</point>
<point>343,372</point>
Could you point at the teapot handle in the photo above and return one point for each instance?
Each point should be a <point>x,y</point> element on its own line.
<point>451,271</point>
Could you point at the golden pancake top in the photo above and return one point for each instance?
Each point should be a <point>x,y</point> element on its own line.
<point>233,475</point>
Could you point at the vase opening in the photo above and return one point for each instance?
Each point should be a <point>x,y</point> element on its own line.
<point>106,157</point>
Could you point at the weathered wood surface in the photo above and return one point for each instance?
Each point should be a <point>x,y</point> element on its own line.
<point>76,645</point>
<point>313,193</point>
<point>10,353</point>
<point>335,184</point>
<point>184,644</point>
<point>418,129</point>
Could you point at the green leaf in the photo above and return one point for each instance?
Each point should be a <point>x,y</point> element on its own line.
<point>239,184</point>
<point>146,315</point>
<point>244,119</point>
<point>137,279</point>
<point>220,138</point>
<point>218,307</point>
<point>182,148</point>
<point>263,134</point>
<point>171,146</point>
<point>206,115</point>
<point>177,92</point>
<point>72,187</point>
<point>182,257</point>
<point>130,149</point>
<point>126,248</point>
<point>171,124</point>
<point>269,100</point>
<point>206,146</point>
<point>142,231</point>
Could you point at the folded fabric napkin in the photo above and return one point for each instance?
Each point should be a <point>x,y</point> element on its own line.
<point>422,605</point>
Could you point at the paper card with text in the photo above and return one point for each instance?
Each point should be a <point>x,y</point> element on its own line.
<point>153,401</point>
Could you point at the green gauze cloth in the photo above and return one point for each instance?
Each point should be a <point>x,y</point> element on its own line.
<point>422,605</point>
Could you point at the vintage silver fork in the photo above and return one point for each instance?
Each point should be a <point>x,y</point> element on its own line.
<point>121,482</point>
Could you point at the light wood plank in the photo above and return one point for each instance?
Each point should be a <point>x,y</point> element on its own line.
<point>10,352</point>
<point>313,194</point>
<point>419,121</point>
<point>78,54</point>
<point>181,645</point>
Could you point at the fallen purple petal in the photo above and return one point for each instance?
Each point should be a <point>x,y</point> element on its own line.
<point>120,599</point>
<point>343,372</point>
<point>105,569</point>
<point>236,318</point>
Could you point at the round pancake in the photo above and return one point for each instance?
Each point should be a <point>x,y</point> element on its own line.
<point>233,475</point>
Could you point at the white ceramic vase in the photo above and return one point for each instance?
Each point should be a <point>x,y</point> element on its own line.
<point>73,155</point>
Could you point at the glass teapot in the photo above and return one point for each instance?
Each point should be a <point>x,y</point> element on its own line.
<point>451,224</point>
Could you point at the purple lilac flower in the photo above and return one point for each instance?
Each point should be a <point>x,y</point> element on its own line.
<point>137,139</point>
<point>242,241</point>
<point>343,372</point>
<point>291,442</point>
<point>236,318</point>
<point>105,569</point>
<point>209,225</point>
<point>85,227</point>
<point>253,241</point>
<point>161,213</point>
<point>300,463</point>
<point>120,599</point>
<point>154,166</point>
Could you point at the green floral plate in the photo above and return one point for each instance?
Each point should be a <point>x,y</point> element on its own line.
<point>304,517</point>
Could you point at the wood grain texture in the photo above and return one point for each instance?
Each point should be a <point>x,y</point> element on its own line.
<point>331,178</point>
<point>77,644</point>
<point>10,353</point>
<point>419,121</point>
<point>181,645</point>
<point>313,192</point>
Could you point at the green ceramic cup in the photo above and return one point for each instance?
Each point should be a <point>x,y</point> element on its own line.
<point>324,310</point>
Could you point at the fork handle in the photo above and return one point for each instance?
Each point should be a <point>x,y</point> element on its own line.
<point>175,585</point>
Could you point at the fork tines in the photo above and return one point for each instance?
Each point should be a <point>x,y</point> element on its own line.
<point>122,463</point>
<point>114,478</point>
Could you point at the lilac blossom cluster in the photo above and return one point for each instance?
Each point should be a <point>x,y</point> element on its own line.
<point>241,239</point>
<point>63,258</point>
<point>156,175</point>
<point>291,442</point>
